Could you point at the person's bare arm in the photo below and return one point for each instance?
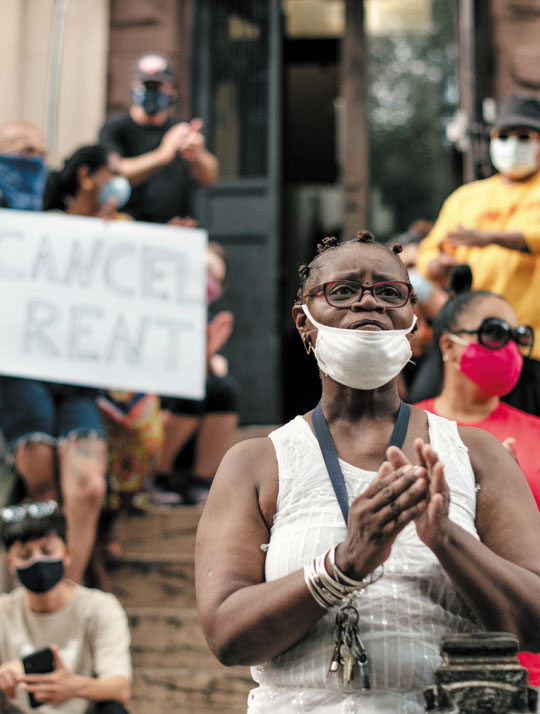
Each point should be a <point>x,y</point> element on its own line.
<point>471,236</point>
<point>139,168</point>
<point>202,164</point>
<point>498,576</point>
<point>245,619</point>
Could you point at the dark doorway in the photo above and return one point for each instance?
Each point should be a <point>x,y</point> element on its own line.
<point>312,200</point>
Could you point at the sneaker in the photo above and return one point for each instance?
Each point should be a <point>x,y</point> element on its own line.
<point>160,497</point>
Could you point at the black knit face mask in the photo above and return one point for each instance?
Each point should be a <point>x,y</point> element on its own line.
<point>42,575</point>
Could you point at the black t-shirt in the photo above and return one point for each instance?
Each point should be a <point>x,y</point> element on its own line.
<point>167,192</point>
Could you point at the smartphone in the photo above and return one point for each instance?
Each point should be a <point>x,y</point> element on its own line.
<point>38,662</point>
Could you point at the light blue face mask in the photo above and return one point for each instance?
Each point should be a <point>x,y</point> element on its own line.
<point>421,285</point>
<point>22,182</point>
<point>118,188</point>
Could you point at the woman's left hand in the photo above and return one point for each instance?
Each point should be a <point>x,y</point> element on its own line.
<point>432,525</point>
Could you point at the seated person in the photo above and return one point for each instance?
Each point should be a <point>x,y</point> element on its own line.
<point>197,433</point>
<point>86,629</point>
<point>54,431</point>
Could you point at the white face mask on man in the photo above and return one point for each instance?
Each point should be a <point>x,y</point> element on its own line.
<point>514,157</point>
<point>361,359</point>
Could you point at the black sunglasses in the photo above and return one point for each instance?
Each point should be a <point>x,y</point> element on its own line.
<point>495,333</point>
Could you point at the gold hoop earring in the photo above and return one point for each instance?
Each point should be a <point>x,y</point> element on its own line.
<point>87,183</point>
<point>308,346</point>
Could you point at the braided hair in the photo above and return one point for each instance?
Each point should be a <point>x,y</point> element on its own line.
<point>461,297</point>
<point>331,243</point>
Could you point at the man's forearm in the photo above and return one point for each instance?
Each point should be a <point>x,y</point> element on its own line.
<point>204,169</point>
<point>513,240</point>
<point>139,168</point>
<point>98,689</point>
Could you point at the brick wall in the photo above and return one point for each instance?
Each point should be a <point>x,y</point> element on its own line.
<point>516,33</point>
<point>139,26</point>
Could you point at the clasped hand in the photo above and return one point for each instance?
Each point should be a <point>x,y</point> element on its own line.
<point>185,139</point>
<point>400,493</point>
<point>53,688</point>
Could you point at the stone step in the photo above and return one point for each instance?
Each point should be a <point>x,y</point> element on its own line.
<point>161,637</point>
<point>172,691</point>
<point>153,580</point>
<point>161,529</point>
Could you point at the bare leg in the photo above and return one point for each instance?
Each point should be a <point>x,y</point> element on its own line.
<point>82,480</point>
<point>34,460</point>
<point>213,442</point>
<point>178,430</point>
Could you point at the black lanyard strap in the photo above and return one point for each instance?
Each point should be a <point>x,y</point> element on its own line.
<point>326,443</point>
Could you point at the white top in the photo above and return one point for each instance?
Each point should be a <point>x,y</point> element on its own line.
<point>402,617</point>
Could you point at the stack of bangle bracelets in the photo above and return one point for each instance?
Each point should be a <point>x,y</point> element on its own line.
<point>330,590</point>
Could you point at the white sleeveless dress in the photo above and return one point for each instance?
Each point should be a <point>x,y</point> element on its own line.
<point>402,617</point>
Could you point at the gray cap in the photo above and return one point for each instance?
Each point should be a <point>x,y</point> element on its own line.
<point>519,111</point>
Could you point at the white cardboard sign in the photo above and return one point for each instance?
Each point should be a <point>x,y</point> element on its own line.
<point>117,304</point>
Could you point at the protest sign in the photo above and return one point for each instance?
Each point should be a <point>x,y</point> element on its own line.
<point>117,304</point>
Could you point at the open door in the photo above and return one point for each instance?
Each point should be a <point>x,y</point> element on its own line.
<point>237,51</point>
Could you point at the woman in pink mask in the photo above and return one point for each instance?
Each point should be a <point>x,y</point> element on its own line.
<point>482,348</point>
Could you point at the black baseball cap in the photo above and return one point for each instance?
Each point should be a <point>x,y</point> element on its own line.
<point>153,68</point>
<point>519,111</point>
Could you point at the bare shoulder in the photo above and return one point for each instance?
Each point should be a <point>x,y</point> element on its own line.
<point>252,462</point>
<point>248,473</point>
<point>486,453</point>
<point>504,499</point>
<point>491,462</point>
<point>251,451</point>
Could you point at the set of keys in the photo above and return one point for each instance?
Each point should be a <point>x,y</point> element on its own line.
<point>348,649</point>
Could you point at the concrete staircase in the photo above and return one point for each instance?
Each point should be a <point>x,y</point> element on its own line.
<point>174,671</point>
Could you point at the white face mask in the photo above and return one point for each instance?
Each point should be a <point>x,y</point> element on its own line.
<point>361,359</point>
<point>514,157</point>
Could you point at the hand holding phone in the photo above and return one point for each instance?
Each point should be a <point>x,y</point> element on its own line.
<point>38,662</point>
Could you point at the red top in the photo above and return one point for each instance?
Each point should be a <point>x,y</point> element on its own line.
<point>507,421</point>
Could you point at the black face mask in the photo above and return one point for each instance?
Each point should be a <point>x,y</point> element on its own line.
<point>42,575</point>
<point>151,99</point>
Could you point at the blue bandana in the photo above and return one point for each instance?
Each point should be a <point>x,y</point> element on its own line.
<point>22,182</point>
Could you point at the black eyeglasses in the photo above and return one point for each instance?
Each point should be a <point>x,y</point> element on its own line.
<point>37,509</point>
<point>344,293</point>
<point>495,333</point>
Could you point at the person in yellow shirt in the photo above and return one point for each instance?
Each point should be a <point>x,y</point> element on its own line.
<point>494,226</point>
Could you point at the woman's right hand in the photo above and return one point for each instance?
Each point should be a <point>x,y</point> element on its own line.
<point>395,497</point>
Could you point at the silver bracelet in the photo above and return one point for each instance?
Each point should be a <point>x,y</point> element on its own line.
<point>328,591</point>
<point>361,585</point>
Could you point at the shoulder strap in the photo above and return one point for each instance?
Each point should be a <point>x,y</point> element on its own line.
<point>326,444</point>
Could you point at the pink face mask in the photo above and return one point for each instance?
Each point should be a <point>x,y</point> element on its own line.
<point>213,289</point>
<point>494,371</point>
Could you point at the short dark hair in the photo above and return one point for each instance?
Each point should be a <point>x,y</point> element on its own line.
<point>31,528</point>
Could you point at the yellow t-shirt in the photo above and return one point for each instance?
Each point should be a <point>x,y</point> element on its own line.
<point>91,632</point>
<point>494,205</point>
